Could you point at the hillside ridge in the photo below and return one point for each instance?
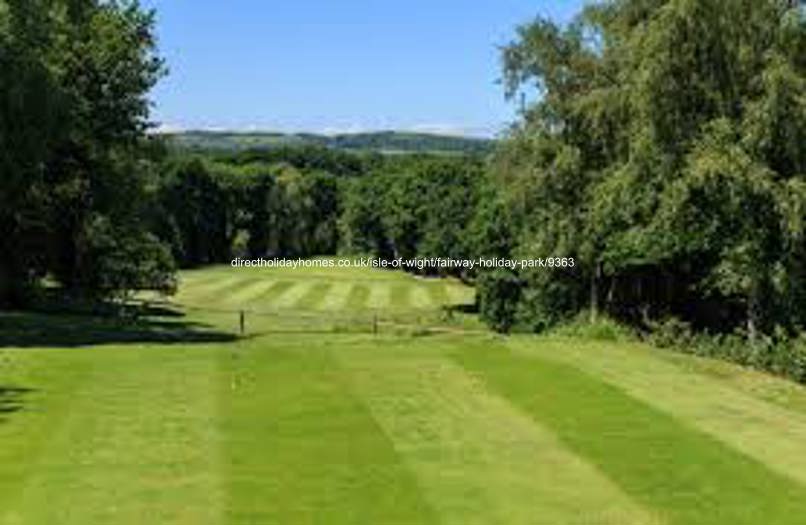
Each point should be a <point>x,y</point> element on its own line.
<point>383,141</point>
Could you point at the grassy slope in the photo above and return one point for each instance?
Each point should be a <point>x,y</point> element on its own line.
<point>292,425</point>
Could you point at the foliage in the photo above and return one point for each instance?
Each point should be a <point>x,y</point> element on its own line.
<point>664,154</point>
<point>498,295</point>
<point>490,232</point>
<point>602,329</point>
<point>304,158</point>
<point>199,210</point>
<point>73,115</point>
<point>361,231</point>
<point>407,207</point>
<point>122,261</point>
<point>778,353</point>
<point>212,210</point>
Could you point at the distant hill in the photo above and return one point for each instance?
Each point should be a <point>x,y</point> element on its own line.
<point>381,141</point>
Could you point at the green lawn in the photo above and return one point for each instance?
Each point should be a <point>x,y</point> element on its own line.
<point>311,418</point>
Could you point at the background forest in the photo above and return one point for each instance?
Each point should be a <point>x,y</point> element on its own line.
<point>663,151</point>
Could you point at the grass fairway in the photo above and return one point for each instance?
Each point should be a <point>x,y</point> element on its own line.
<point>311,418</point>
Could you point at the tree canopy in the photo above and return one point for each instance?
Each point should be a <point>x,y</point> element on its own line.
<point>664,151</point>
<point>74,78</point>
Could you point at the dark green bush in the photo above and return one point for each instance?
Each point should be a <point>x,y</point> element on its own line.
<point>121,261</point>
<point>780,354</point>
<point>670,332</point>
<point>499,292</point>
<point>602,329</point>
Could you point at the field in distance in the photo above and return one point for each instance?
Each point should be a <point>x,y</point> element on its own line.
<point>310,417</point>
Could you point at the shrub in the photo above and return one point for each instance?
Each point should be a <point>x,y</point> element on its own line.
<point>779,353</point>
<point>670,332</point>
<point>121,261</point>
<point>602,329</point>
<point>499,292</point>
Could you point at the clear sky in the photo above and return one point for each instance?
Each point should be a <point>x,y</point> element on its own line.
<point>339,65</point>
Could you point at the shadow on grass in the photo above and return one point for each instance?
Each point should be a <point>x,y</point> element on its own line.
<point>471,308</point>
<point>51,330</point>
<point>12,400</point>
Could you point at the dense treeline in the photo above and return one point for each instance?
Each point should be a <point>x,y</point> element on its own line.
<point>305,158</point>
<point>210,211</point>
<point>74,157</point>
<point>666,155</point>
<point>301,202</point>
<point>408,207</point>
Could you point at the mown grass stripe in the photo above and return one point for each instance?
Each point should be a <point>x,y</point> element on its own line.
<point>46,386</point>
<point>420,298</point>
<point>137,446</point>
<point>249,294</point>
<point>214,289</point>
<point>359,297</point>
<point>313,296</point>
<point>681,472</point>
<point>438,293</point>
<point>379,295</point>
<point>293,294</point>
<point>459,293</point>
<point>303,449</point>
<point>270,296</point>
<point>765,431</point>
<point>191,289</point>
<point>235,294</point>
<point>475,471</point>
<point>400,295</point>
<point>338,297</point>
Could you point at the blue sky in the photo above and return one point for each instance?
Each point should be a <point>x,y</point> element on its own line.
<point>339,65</point>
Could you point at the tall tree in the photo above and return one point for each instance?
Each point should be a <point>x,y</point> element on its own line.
<point>74,118</point>
<point>664,153</point>
<point>31,115</point>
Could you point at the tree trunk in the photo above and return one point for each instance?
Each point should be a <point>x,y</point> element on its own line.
<point>594,292</point>
<point>753,313</point>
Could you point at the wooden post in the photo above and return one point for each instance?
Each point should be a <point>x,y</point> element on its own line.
<point>375,323</point>
<point>242,322</point>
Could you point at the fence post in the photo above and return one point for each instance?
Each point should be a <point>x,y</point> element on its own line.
<point>375,323</point>
<point>242,321</point>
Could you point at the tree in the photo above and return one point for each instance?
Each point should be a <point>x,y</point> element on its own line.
<point>258,223</point>
<point>499,292</point>
<point>200,207</point>
<point>663,155</point>
<point>411,206</point>
<point>361,230</point>
<point>31,113</point>
<point>105,63</point>
<point>75,78</point>
<point>122,260</point>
